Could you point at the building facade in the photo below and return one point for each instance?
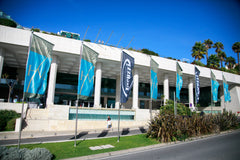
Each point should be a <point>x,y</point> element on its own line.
<point>63,78</point>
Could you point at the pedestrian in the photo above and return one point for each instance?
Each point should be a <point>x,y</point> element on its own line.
<point>109,122</point>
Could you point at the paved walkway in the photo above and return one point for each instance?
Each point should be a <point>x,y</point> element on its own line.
<point>11,138</point>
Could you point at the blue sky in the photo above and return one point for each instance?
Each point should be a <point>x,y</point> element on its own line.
<point>168,27</point>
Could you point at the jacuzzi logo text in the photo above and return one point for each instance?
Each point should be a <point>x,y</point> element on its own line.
<point>128,72</point>
<point>126,76</point>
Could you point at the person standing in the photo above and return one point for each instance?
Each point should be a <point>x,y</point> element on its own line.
<point>109,122</point>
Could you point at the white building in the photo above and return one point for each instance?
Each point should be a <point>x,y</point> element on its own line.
<point>59,113</point>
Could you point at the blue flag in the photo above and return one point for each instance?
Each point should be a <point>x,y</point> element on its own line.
<point>88,59</point>
<point>38,64</point>
<point>154,79</point>
<point>127,66</point>
<point>227,96</point>
<point>215,86</point>
<point>197,84</point>
<point>179,81</point>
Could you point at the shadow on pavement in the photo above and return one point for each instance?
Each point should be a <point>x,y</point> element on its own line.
<point>103,134</point>
<point>80,135</point>
<point>142,130</point>
<point>125,131</point>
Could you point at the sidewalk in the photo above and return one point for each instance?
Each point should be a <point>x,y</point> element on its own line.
<point>11,138</point>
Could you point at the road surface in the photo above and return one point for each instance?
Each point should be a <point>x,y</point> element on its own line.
<point>221,147</point>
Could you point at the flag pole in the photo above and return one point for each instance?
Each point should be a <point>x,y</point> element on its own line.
<point>224,105</point>
<point>119,121</point>
<point>76,125</point>
<point>174,98</point>
<point>20,125</point>
<point>211,92</point>
<point>151,94</point>
<point>120,104</point>
<point>81,48</point>
<point>21,119</point>
<point>195,87</point>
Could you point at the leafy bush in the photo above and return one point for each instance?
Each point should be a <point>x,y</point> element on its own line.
<point>199,63</point>
<point>24,154</point>
<point>8,22</point>
<point>169,108</point>
<point>226,120</point>
<point>87,40</point>
<point>5,116</point>
<point>167,127</point>
<point>35,29</point>
<point>10,153</point>
<point>11,125</point>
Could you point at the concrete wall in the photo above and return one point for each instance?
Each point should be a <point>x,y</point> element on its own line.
<point>13,106</point>
<point>69,125</point>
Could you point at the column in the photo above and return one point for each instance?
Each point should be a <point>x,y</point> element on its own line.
<point>117,101</point>
<point>135,89</point>
<point>105,102</point>
<point>52,81</point>
<point>190,92</point>
<point>98,80</point>
<point>166,88</point>
<point>1,61</point>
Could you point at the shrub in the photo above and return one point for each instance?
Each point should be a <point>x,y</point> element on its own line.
<point>5,116</point>
<point>166,127</point>
<point>35,29</point>
<point>87,40</point>
<point>11,153</point>
<point>226,120</point>
<point>169,108</point>
<point>8,22</point>
<point>199,63</point>
<point>24,154</point>
<point>11,125</point>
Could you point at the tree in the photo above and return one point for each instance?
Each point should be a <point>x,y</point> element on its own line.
<point>87,40</point>
<point>8,22</point>
<point>230,61</point>
<point>213,61</point>
<point>222,56</point>
<point>198,50</point>
<point>208,45</point>
<point>147,51</point>
<point>236,49</point>
<point>219,46</point>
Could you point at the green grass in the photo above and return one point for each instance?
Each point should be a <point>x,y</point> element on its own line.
<point>63,150</point>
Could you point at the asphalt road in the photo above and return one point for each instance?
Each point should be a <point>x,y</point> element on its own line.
<point>81,135</point>
<point>221,147</point>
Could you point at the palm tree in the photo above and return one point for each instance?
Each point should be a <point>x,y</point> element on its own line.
<point>230,61</point>
<point>198,50</point>
<point>208,45</point>
<point>218,46</point>
<point>213,61</point>
<point>222,56</point>
<point>236,49</point>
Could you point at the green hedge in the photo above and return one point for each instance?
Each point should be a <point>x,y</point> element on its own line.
<point>8,116</point>
<point>169,108</point>
<point>8,22</point>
